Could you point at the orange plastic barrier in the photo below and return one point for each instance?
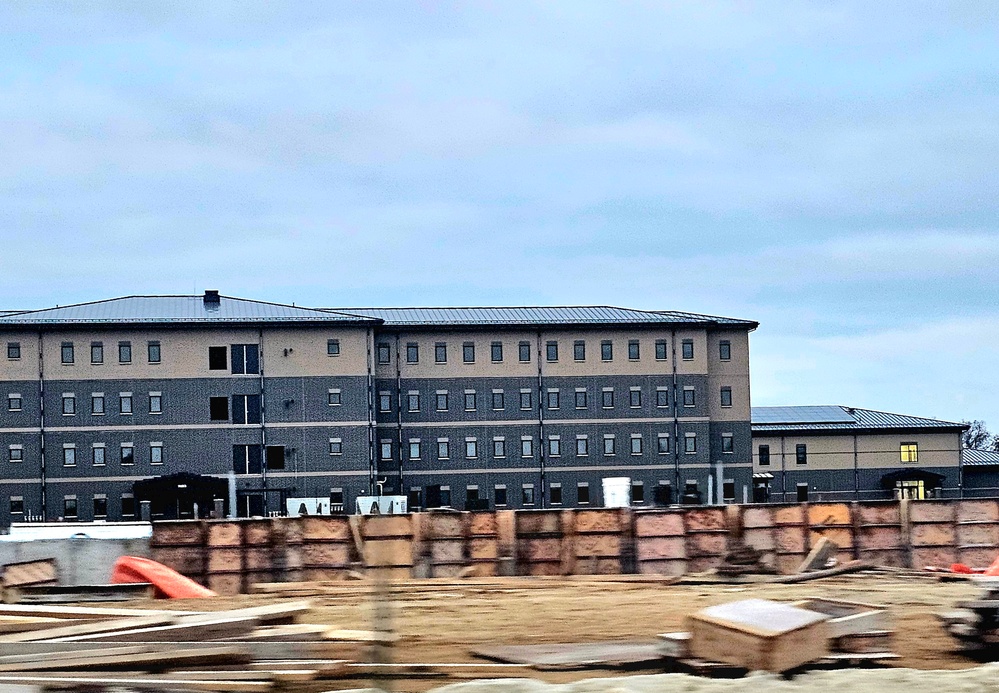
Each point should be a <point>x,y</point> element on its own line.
<point>993,570</point>
<point>168,583</point>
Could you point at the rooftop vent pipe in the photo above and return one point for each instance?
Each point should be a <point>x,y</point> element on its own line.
<point>212,298</point>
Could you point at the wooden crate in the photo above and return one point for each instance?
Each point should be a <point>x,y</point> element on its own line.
<point>848,618</point>
<point>759,634</point>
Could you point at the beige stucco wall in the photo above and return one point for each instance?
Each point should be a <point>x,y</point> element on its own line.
<point>733,373</point>
<point>874,451</point>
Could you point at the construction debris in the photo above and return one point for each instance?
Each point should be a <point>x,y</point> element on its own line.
<point>742,559</point>
<point>821,557</point>
<point>39,572</point>
<point>975,623</point>
<point>570,656</point>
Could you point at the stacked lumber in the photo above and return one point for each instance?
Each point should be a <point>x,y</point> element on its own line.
<point>256,648</point>
<point>975,623</point>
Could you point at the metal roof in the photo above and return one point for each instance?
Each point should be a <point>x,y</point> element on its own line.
<point>539,315</point>
<point>173,309</point>
<point>980,458</point>
<point>837,418</point>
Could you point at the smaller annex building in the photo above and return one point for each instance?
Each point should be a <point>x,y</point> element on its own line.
<point>837,453</point>
<point>981,472</point>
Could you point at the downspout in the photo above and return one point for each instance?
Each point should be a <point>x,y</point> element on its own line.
<point>676,417</point>
<point>398,409</point>
<point>783,473</point>
<point>960,467</point>
<point>856,470</point>
<point>41,423</point>
<point>370,338</point>
<point>263,417</point>
<point>541,424</point>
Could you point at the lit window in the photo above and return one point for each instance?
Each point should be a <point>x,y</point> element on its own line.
<point>909,452</point>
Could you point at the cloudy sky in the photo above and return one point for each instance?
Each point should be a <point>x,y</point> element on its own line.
<point>826,168</point>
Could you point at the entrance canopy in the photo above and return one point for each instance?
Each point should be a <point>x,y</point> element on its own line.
<point>929,479</point>
<point>174,497</point>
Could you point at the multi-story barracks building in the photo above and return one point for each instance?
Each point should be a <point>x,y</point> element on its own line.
<point>167,398</point>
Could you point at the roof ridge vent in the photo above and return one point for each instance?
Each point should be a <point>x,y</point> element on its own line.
<point>212,299</point>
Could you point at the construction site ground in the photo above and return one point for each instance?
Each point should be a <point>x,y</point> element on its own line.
<point>440,624</point>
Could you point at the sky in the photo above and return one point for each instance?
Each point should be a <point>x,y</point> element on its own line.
<point>826,168</point>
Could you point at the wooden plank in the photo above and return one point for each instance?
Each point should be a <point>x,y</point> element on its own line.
<point>270,614</point>
<point>568,656</point>
<point>151,683</point>
<point>259,649</point>
<point>82,612</point>
<point>850,567</point>
<point>116,658</point>
<point>60,594</point>
<point>295,632</point>
<point>89,627</point>
<point>184,632</point>
<point>23,624</point>
<point>344,635</point>
<point>818,557</point>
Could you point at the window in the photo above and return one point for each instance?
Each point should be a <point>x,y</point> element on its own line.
<point>336,497</point>
<point>100,507</point>
<point>384,354</point>
<point>728,444</point>
<point>555,493</point>
<point>384,401</point>
<point>551,351</point>
<point>334,397</point>
<point>554,446</point>
<point>125,403</point>
<point>441,400</point>
<point>218,408</point>
<point>499,447</point>
<point>412,352</point>
<point>688,349</point>
<point>246,409</point>
<point>97,352</point>
<point>633,350</point>
<point>128,453</point>
<point>525,399</point>
<point>470,403</point>
<point>553,399</point>
<point>68,455</point>
<point>607,398</point>
<point>527,494</point>
<point>127,505</point>
<point>69,511</point>
<point>606,350</point>
<point>124,352</point>
<point>764,455</point>
<point>68,404</point>
<point>496,352</point>
<point>15,453</point>
<point>67,353</point>
<point>662,443</point>
<point>524,352</point>
<point>98,455</point>
<point>690,443</point>
<point>582,493</point>
<point>579,350</point>
<point>661,350</point>
<point>582,446</point>
<point>498,402</point>
<point>156,453</point>
<point>637,492</point>
<point>415,449</point>
<point>802,493</point>
<point>634,397</point>
<point>336,446</point>
<point>385,450</point>
<point>728,490</point>
<point>664,493</point>
<point>726,397</point>
<point>13,350</point>
<point>246,459</point>
<point>580,399</point>
<point>468,352</point>
<point>662,397</point>
<point>689,397</point>
<point>610,444</point>
<point>440,352</point>
<point>413,401</point>
<point>17,505</point>
<point>471,494</point>
<point>725,350</point>
<point>526,447</point>
<point>909,452</point>
<point>14,402</point>
<point>332,347</point>
<point>153,352</point>
<point>499,493</point>
<point>443,449</point>
<point>471,448</point>
<point>218,358</point>
<point>245,359</point>
<point>636,444</point>
<point>801,453</point>
<point>155,402</point>
<point>97,404</point>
